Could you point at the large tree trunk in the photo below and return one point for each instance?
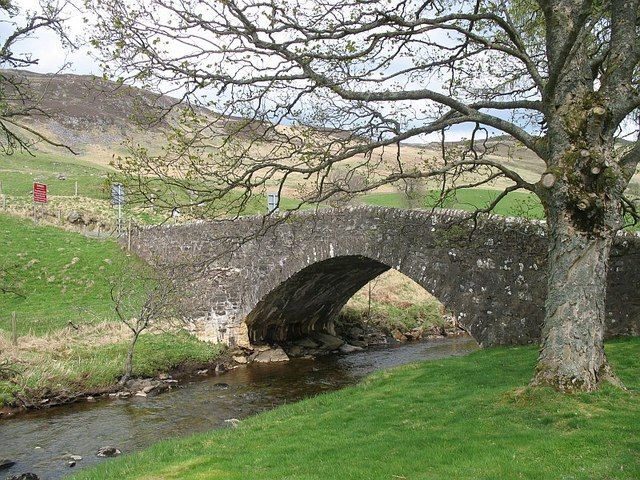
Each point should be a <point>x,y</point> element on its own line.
<point>581,191</point>
<point>572,357</point>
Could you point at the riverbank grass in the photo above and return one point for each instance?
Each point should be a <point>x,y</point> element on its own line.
<point>68,339</point>
<point>59,366</point>
<point>465,418</point>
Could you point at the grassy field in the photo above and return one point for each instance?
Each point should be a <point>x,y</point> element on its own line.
<point>19,171</point>
<point>515,204</point>
<point>61,277</point>
<point>460,418</point>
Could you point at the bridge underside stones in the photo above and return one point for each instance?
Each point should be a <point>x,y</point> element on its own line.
<point>283,277</point>
<point>310,299</point>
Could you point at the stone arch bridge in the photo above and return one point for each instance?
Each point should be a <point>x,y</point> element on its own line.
<point>267,279</point>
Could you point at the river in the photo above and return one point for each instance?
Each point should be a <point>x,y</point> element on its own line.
<point>38,441</point>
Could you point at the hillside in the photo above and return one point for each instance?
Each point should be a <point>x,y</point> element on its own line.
<point>95,116</point>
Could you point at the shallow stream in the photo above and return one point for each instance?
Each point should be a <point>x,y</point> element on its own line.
<point>38,441</point>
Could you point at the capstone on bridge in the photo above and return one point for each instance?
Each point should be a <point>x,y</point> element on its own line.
<point>268,279</point>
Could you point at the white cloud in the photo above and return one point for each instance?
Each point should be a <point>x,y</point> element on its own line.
<point>46,46</point>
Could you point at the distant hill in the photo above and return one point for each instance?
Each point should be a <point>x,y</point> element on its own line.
<point>82,111</point>
<point>94,116</point>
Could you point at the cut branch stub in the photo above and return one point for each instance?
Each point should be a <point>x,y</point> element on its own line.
<point>548,180</point>
<point>583,205</point>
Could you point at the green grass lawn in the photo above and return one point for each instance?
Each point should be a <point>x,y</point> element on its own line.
<point>460,418</point>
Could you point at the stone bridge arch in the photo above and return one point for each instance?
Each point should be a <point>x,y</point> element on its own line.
<point>300,270</point>
<point>309,299</point>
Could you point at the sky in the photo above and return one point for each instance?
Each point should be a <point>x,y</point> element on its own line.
<point>46,46</point>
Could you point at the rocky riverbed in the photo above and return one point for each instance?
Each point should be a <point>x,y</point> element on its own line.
<point>347,336</point>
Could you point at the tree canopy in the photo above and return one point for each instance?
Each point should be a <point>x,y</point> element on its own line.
<point>302,89</point>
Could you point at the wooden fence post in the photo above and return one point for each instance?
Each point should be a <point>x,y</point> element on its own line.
<point>129,236</point>
<point>14,330</point>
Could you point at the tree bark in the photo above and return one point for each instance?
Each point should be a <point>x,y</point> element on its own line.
<point>572,357</point>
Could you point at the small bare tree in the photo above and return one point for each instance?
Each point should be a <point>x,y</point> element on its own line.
<point>140,302</point>
<point>414,191</point>
<point>344,183</point>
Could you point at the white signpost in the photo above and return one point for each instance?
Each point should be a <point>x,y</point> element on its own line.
<point>272,202</point>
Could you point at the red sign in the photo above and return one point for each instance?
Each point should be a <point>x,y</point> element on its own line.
<point>40,192</point>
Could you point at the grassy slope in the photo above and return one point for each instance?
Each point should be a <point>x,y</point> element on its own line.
<point>64,277</point>
<point>396,302</point>
<point>462,418</point>
<point>71,363</point>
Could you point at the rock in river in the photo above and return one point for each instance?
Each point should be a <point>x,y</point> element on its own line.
<point>306,342</point>
<point>6,463</point>
<point>271,355</point>
<point>240,359</point>
<point>398,335</point>
<point>108,452</point>
<point>233,421</point>
<point>346,348</point>
<point>25,476</point>
<point>295,351</point>
<point>329,342</point>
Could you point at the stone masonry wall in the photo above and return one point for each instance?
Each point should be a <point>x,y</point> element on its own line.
<point>272,278</point>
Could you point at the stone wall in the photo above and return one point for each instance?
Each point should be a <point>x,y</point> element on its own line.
<point>280,277</point>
